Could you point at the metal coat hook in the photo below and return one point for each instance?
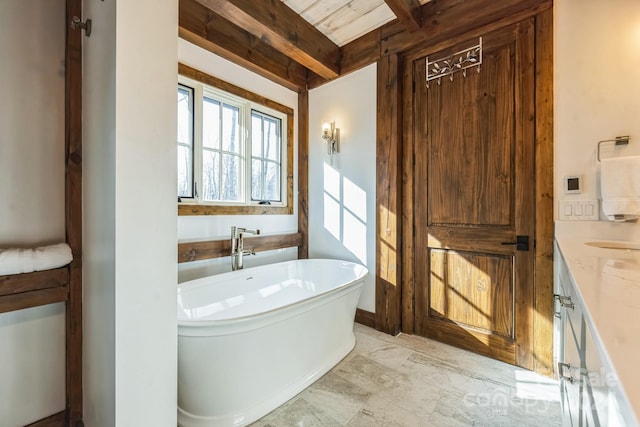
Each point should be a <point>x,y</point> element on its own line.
<point>77,23</point>
<point>459,61</point>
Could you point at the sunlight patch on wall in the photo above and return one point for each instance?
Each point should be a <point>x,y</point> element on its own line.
<point>387,227</point>
<point>355,236</point>
<point>355,199</point>
<point>387,258</point>
<point>345,212</point>
<point>331,182</point>
<point>332,220</point>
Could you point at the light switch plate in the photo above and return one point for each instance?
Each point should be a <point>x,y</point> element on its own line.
<point>579,210</point>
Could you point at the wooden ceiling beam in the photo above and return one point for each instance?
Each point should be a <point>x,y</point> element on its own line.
<point>202,27</point>
<point>283,29</point>
<point>408,12</point>
<point>442,20</point>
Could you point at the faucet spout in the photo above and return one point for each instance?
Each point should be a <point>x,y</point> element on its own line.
<point>237,246</point>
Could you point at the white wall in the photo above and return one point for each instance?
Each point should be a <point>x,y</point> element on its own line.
<point>32,122</point>
<point>342,194</point>
<point>130,271</point>
<point>597,90</point>
<point>191,228</point>
<point>32,193</point>
<point>99,195</point>
<point>146,230</point>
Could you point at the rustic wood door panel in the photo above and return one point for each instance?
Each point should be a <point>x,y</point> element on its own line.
<point>472,144</point>
<point>474,194</point>
<point>472,290</point>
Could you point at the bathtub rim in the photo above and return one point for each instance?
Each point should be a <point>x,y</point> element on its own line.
<point>198,323</point>
<point>211,328</point>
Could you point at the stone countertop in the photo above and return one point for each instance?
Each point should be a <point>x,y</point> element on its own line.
<point>608,285</point>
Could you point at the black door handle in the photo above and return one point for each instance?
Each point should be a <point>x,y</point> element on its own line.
<point>522,243</point>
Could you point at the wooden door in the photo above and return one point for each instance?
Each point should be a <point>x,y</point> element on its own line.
<point>473,142</point>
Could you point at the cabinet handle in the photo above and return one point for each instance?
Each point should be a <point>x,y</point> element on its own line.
<point>556,313</point>
<point>564,301</point>
<point>561,367</point>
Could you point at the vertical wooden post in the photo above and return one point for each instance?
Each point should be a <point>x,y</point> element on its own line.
<point>73,197</point>
<point>388,195</point>
<point>303,172</point>
<point>408,309</point>
<point>543,313</point>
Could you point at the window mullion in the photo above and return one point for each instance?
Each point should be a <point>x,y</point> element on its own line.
<point>247,152</point>
<point>263,171</point>
<point>219,148</point>
<point>197,142</point>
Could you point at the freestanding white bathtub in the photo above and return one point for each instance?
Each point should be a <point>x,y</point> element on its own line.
<point>249,340</point>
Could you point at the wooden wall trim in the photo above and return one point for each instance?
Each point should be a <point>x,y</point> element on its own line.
<point>303,173</point>
<point>73,200</point>
<point>446,19</point>
<point>388,195</point>
<point>19,283</point>
<point>186,209</point>
<point>34,298</point>
<point>525,111</point>
<point>408,308</point>
<point>443,21</point>
<point>544,231</point>
<point>198,251</point>
<point>55,420</point>
<point>210,80</point>
<point>365,318</point>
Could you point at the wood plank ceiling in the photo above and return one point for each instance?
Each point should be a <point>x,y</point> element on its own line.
<point>343,21</point>
<point>291,42</point>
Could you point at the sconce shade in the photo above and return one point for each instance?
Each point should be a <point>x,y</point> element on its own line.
<point>330,134</point>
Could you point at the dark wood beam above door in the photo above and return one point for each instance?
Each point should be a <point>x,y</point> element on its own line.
<point>443,20</point>
<point>408,13</point>
<point>283,29</point>
<point>204,28</point>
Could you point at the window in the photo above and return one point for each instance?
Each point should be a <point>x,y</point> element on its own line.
<point>234,152</point>
<point>185,141</point>
<point>265,157</point>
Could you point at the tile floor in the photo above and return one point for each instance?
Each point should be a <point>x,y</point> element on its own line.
<point>412,381</point>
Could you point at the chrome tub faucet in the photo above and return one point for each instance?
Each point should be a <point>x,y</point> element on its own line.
<point>237,246</point>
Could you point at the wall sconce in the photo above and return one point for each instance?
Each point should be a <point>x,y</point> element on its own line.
<point>331,135</point>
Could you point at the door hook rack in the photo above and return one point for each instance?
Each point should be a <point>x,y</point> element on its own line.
<point>77,23</point>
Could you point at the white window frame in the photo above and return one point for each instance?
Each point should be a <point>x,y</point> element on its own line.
<point>200,90</point>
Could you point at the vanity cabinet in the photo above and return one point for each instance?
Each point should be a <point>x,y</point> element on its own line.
<point>589,390</point>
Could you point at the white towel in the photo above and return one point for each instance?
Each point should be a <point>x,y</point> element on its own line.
<point>16,261</point>
<point>620,187</point>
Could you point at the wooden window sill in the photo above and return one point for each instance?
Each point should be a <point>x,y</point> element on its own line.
<point>189,209</point>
